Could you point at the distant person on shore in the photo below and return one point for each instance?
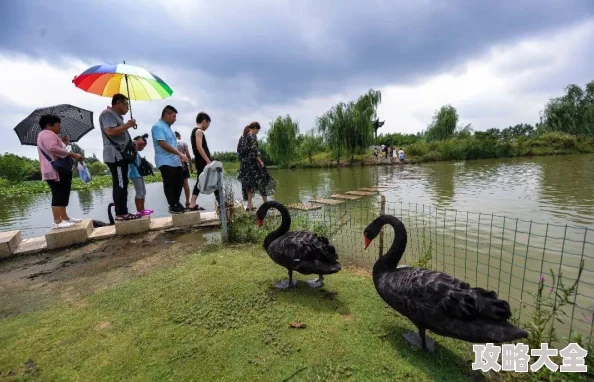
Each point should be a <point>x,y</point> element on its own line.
<point>375,153</point>
<point>392,153</point>
<point>50,148</point>
<point>202,156</point>
<point>115,139</point>
<point>137,178</point>
<point>182,147</point>
<point>168,159</point>
<point>252,172</point>
<point>401,155</point>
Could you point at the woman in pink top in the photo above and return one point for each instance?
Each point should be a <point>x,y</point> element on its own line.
<point>60,183</point>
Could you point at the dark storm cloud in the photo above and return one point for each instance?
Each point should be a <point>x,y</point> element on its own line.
<point>289,50</point>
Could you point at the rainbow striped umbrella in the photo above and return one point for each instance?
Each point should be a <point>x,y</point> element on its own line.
<point>134,82</point>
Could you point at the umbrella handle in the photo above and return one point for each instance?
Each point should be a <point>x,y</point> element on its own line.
<point>129,101</point>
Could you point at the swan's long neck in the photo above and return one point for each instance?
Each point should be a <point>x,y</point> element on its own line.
<point>284,227</point>
<point>391,258</point>
<point>109,215</point>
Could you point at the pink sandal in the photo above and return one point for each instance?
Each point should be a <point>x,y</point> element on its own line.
<point>145,213</point>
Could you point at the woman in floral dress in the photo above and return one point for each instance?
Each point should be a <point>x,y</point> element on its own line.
<point>252,173</point>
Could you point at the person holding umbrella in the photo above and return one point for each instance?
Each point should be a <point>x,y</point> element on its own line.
<point>57,173</point>
<point>117,146</point>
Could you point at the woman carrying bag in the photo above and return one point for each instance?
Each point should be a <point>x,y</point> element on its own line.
<point>56,165</point>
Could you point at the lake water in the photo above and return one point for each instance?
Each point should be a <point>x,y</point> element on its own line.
<point>496,223</point>
<point>558,190</point>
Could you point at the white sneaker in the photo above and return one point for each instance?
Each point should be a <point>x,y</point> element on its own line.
<point>73,220</point>
<point>62,225</point>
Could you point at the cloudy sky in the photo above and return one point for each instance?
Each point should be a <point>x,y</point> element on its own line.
<point>497,62</point>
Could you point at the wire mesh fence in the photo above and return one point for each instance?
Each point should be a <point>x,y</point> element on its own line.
<point>507,255</point>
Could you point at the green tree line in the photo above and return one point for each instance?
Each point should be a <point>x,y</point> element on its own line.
<point>15,168</point>
<point>347,129</point>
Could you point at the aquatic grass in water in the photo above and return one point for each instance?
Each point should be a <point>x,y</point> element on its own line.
<point>38,186</point>
<point>8,189</point>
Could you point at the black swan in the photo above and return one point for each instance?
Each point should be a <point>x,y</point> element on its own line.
<point>301,251</point>
<point>99,223</point>
<point>435,300</point>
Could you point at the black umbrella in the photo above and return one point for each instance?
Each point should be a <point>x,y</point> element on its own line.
<point>76,122</point>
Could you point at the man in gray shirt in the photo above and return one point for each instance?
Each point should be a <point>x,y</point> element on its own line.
<point>115,138</point>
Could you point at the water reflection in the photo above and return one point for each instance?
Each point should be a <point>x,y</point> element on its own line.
<point>85,199</point>
<point>567,188</point>
<point>296,185</point>
<point>440,181</point>
<point>545,189</point>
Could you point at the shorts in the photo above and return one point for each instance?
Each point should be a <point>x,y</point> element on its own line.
<point>139,187</point>
<point>61,190</point>
<point>186,171</point>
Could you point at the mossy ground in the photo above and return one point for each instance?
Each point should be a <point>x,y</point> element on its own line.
<point>214,315</point>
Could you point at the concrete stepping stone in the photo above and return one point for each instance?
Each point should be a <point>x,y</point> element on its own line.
<point>161,223</point>
<point>129,227</point>
<point>32,245</point>
<point>375,189</point>
<point>361,193</point>
<point>209,219</point>
<point>346,197</point>
<point>187,219</point>
<point>66,237</point>
<point>303,207</point>
<point>103,233</point>
<point>331,202</point>
<point>9,241</point>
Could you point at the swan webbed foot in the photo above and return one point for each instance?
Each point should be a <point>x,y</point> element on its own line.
<point>316,283</point>
<point>414,339</point>
<point>284,284</point>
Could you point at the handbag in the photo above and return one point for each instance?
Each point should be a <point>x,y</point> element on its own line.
<point>129,152</point>
<point>144,169</point>
<point>59,164</point>
<point>84,173</point>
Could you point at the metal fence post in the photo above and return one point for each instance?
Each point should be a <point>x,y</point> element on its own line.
<point>381,238</point>
<point>222,203</point>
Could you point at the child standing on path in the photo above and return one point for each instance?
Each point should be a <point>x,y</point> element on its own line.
<point>202,157</point>
<point>182,147</point>
<point>137,179</point>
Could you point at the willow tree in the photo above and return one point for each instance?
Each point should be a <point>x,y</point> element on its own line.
<point>362,113</point>
<point>348,128</point>
<point>282,140</point>
<point>333,126</point>
<point>444,124</point>
<point>310,144</point>
<point>573,112</point>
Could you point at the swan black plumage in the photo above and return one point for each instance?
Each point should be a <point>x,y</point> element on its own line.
<point>301,251</point>
<point>435,300</point>
<point>99,223</point>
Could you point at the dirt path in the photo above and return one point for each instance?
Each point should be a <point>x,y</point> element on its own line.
<point>30,282</point>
